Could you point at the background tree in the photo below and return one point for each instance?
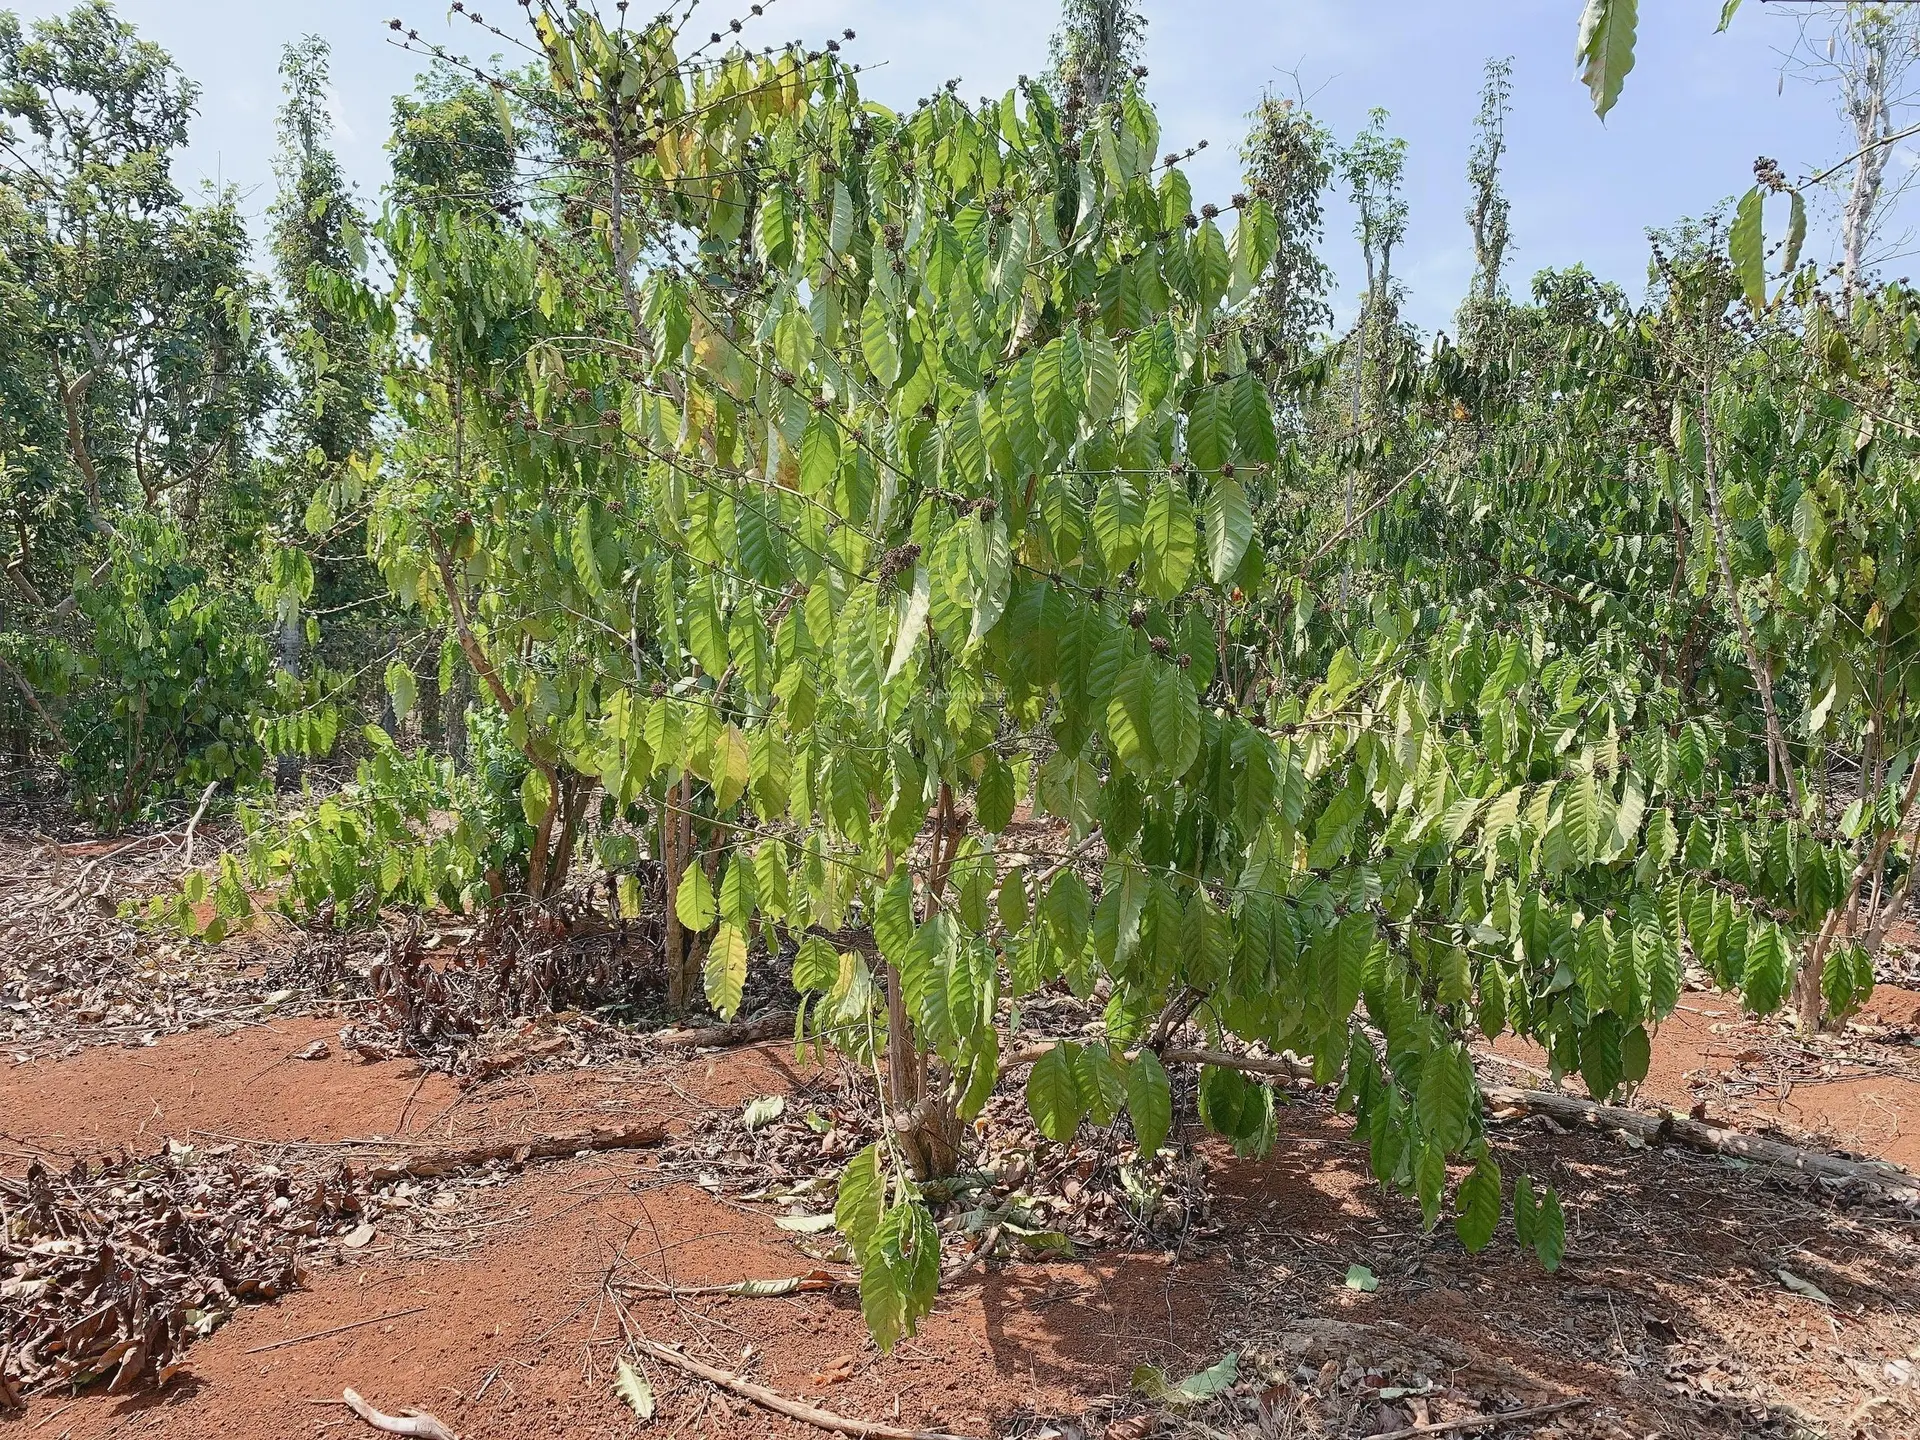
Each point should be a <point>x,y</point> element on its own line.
<point>1487,214</point>
<point>451,146</point>
<point>1374,167</point>
<point>1288,162</point>
<point>140,343</point>
<point>1868,55</point>
<point>1096,48</point>
<point>327,416</point>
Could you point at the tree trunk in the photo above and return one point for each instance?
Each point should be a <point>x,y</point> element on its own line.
<point>676,846</point>
<point>291,641</point>
<point>927,1128</point>
<point>20,757</point>
<point>456,703</point>
<point>426,686</point>
<point>1845,919</point>
<point>1872,123</point>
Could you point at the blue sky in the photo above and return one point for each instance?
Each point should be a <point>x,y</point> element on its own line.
<point>1697,109</point>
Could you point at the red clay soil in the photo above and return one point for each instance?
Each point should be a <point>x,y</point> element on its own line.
<point>524,1319</point>
<point>244,1084</point>
<point>1671,1268</point>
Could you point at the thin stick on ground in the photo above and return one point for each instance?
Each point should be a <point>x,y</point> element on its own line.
<point>1481,1422</point>
<point>416,1422</point>
<point>333,1330</point>
<point>781,1405</point>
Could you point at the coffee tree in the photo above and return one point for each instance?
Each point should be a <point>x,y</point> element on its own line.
<point>893,545</point>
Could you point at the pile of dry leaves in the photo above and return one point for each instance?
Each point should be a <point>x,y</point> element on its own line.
<point>110,1271</point>
<point>1317,1378</point>
<point>75,970</point>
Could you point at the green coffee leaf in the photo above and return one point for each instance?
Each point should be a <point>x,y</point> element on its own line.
<point>899,1273</point>
<point>1747,244</point>
<point>1477,1205</point>
<point>693,902</point>
<point>1149,1101</point>
<point>1229,527</point>
<point>1606,49</point>
<point>1053,1093</point>
<point>861,1199</point>
<point>725,971</point>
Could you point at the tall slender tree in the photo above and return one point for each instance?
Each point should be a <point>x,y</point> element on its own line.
<point>1374,167</point>
<point>1096,48</point>
<point>1868,56</point>
<point>328,418</point>
<point>1487,213</point>
<point>1288,160</point>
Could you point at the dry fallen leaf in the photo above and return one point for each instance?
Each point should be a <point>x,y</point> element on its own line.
<point>834,1372</point>
<point>358,1236</point>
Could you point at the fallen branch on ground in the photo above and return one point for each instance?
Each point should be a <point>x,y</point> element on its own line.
<point>781,1405</point>
<point>1658,1126</point>
<point>1480,1422</point>
<point>428,1164</point>
<point>414,1422</point>
<point>738,1032</point>
<point>749,1289</point>
<point>1652,1126</point>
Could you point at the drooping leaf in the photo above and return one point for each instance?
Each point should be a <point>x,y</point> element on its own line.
<point>1053,1093</point>
<point>1477,1205</point>
<point>1149,1101</point>
<point>1746,243</point>
<point>1229,527</point>
<point>693,902</point>
<point>1605,49</point>
<point>725,971</point>
<point>861,1198</point>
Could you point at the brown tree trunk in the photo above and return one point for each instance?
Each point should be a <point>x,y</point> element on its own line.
<point>927,1127</point>
<point>1845,919</point>
<point>676,850</point>
<point>426,686</point>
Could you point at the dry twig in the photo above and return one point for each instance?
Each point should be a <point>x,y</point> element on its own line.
<point>332,1330</point>
<point>781,1405</point>
<point>1480,1422</point>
